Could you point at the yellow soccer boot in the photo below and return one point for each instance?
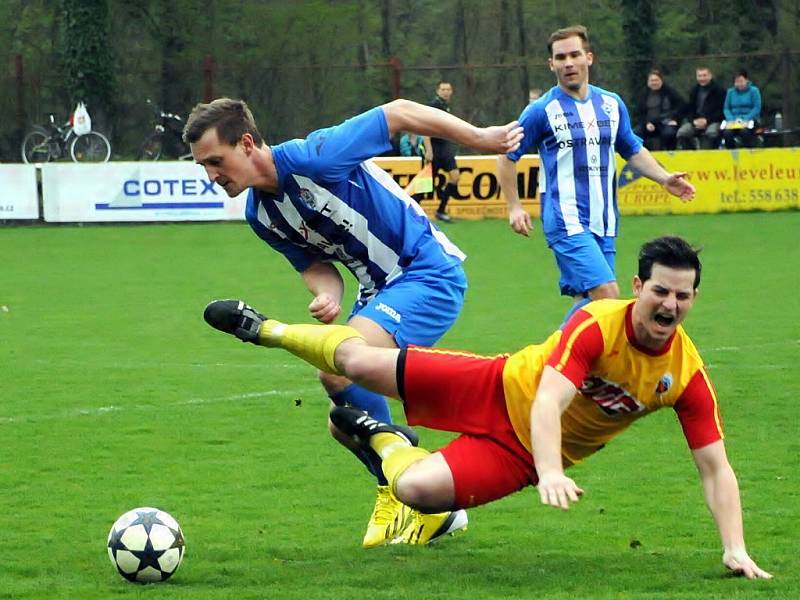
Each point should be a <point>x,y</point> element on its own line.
<point>389,518</point>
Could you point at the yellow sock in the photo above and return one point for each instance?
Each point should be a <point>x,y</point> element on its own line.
<point>315,344</point>
<point>386,443</point>
<point>396,463</point>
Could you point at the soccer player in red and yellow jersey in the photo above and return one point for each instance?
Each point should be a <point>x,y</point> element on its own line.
<point>524,418</point>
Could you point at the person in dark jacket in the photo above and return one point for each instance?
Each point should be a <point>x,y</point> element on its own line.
<point>703,113</point>
<point>657,113</point>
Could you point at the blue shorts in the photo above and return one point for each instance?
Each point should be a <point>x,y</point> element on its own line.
<point>585,261</point>
<point>418,307</point>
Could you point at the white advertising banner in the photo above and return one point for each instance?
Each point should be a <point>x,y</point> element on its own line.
<point>18,196</point>
<point>135,191</point>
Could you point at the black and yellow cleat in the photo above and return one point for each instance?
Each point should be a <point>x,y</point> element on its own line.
<point>425,529</point>
<point>360,426</point>
<point>388,520</point>
<point>236,318</point>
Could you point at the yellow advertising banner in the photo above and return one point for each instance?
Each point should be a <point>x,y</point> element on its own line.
<point>742,180</point>
<point>478,189</point>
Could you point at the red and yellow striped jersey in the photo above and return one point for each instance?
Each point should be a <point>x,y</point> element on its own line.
<point>618,381</point>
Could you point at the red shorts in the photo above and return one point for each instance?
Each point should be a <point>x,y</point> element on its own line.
<point>462,392</point>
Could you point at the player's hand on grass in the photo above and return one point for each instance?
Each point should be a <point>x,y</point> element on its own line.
<point>501,139</point>
<point>558,490</point>
<point>324,308</point>
<point>740,563</point>
<point>520,221</point>
<point>677,185</point>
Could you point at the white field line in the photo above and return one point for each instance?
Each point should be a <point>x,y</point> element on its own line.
<point>770,344</point>
<point>102,410</point>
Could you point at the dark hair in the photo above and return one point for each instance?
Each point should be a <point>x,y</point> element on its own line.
<point>568,32</point>
<point>231,118</point>
<point>655,72</point>
<point>741,72</point>
<point>443,82</point>
<point>669,251</point>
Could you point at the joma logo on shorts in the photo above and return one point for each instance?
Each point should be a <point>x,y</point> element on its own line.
<point>389,311</point>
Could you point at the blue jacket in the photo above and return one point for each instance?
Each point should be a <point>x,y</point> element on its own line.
<point>744,105</point>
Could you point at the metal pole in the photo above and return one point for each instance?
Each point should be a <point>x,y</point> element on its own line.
<point>397,71</point>
<point>209,69</point>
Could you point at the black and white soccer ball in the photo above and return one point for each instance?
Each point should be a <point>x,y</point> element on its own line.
<point>146,545</point>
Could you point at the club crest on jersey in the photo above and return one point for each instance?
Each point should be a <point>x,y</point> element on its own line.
<point>307,198</point>
<point>664,384</point>
<point>608,108</point>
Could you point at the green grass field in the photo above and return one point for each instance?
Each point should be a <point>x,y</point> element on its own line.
<point>115,394</point>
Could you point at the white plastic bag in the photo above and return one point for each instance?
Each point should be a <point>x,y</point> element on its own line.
<point>81,121</point>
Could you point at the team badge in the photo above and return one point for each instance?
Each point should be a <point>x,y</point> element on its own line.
<point>664,384</point>
<point>608,108</point>
<point>307,198</point>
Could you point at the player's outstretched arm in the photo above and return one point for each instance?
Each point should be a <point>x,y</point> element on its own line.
<point>405,115</point>
<point>552,398</point>
<point>674,183</point>
<point>722,496</point>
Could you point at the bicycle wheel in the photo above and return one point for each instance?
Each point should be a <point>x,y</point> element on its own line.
<point>92,147</point>
<point>152,147</point>
<point>35,147</point>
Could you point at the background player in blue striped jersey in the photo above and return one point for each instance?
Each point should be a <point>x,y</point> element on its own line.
<point>576,128</point>
<point>321,200</point>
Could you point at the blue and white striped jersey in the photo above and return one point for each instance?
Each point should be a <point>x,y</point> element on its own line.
<point>576,141</point>
<point>333,204</point>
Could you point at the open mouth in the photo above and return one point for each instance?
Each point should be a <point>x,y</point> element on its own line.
<point>664,320</point>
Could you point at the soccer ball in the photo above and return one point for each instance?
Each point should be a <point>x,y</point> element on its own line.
<point>146,545</point>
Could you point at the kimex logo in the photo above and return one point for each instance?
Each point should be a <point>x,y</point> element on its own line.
<point>589,125</point>
<point>566,126</point>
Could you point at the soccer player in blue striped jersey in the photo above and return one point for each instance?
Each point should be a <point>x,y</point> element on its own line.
<point>576,128</point>
<point>320,200</point>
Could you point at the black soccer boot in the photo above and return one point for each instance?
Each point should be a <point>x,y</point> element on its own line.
<point>236,318</point>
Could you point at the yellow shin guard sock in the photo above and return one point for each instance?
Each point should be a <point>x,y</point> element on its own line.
<point>396,463</point>
<point>315,344</point>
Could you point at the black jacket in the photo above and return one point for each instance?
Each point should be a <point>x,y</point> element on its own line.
<point>712,106</point>
<point>671,105</point>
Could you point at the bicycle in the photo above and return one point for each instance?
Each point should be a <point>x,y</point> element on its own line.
<point>166,138</point>
<point>44,143</point>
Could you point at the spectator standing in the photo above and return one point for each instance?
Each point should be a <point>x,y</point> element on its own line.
<point>704,113</point>
<point>742,111</point>
<point>657,113</point>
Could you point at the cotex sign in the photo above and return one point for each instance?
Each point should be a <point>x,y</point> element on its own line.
<point>174,191</point>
